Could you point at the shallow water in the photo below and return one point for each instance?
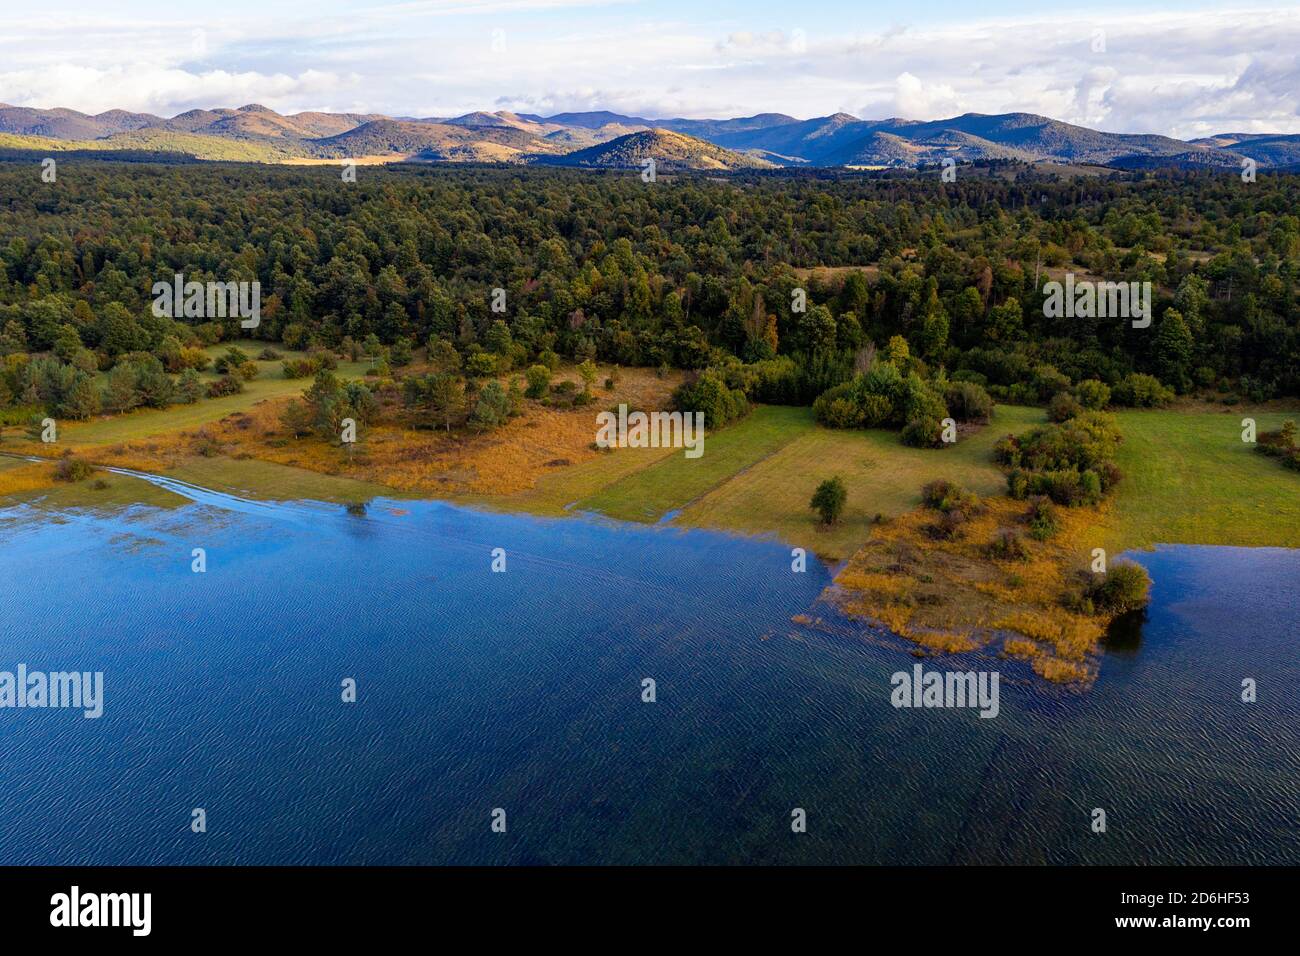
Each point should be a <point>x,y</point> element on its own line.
<point>522,690</point>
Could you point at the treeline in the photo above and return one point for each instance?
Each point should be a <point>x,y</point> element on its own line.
<point>690,273</point>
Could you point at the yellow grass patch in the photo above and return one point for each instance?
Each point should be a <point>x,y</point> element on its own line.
<point>952,595</point>
<point>23,478</point>
<point>510,460</point>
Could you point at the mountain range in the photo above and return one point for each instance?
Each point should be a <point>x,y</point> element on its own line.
<point>605,140</point>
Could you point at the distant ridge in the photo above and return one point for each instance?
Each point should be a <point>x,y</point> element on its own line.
<point>600,139</point>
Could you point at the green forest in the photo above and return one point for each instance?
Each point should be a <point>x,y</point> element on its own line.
<point>774,287</point>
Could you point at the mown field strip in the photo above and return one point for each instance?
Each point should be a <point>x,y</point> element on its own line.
<point>672,482</point>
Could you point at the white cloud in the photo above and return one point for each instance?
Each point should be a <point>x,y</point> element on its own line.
<point>922,101</point>
<point>1178,73</point>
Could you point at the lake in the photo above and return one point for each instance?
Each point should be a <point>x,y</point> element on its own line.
<point>522,691</point>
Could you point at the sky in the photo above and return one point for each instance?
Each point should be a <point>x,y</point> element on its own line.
<point>1186,68</point>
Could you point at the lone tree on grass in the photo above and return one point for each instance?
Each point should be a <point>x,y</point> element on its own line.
<point>828,500</point>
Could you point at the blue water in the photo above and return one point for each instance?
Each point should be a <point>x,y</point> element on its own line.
<point>522,690</point>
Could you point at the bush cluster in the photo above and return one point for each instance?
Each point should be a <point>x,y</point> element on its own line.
<point>1070,462</point>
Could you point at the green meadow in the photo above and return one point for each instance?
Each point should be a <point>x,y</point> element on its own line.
<point>883,477</point>
<point>758,476</point>
<point>676,481</point>
<point>1190,479</point>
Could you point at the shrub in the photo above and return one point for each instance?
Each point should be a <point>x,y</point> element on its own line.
<point>1048,380</point>
<point>301,368</point>
<point>829,500</point>
<point>194,358</point>
<point>710,395</point>
<point>269,355</point>
<point>1070,462</point>
<point>875,410</point>
<point>838,411</point>
<point>539,381</point>
<point>481,365</point>
<point>1007,545</point>
<point>837,407</point>
<point>968,402</point>
<point>947,496</point>
<point>205,444</point>
<point>1141,391</point>
<point>1018,483</point>
<point>1065,487</point>
<point>1092,394</point>
<point>1279,443</point>
<point>922,433</point>
<point>226,385</point>
<point>883,396</point>
<point>73,469</point>
<point>950,525</point>
<point>1109,474</point>
<point>1041,518</point>
<point>230,361</point>
<point>920,401</point>
<point>1063,407</point>
<point>1125,587</point>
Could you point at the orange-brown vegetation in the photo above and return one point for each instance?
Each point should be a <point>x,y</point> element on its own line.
<point>23,478</point>
<point>394,453</point>
<point>952,594</point>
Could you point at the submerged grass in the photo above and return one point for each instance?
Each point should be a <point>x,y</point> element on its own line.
<point>951,595</point>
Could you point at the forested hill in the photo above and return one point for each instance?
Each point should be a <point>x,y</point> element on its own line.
<point>670,151</point>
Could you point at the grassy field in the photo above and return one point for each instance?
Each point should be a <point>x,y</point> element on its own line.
<point>556,493</point>
<point>1189,479</point>
<point>882,475</point>
<point>250,478</point>
<point>102,491</point>
<point>675,480</point>
<point>1184,475</point>
<point>757,477</point>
